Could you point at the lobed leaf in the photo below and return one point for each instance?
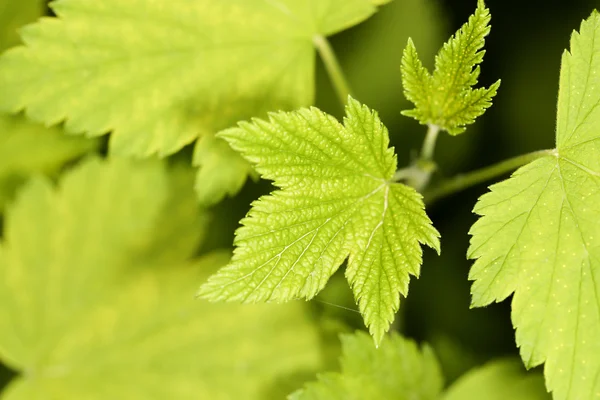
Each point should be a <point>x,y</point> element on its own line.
<point>446,98</point>
<point>161,73</point>
<point>99,305</point>
<point>538,236</point>
<point>335,201</point>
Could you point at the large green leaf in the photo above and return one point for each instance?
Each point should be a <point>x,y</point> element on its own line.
<point>159,73</point>
<point>93,309</point>
<point>337,201</point>
<point>539,236</point>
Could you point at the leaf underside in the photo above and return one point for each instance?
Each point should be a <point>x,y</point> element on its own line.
<point>446,98</point>
<point>538,236</point>
<point>334,202</point>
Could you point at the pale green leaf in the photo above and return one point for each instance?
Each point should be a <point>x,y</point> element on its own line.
<point>160,73</point>
<point>335,201</point>
<point>13,15</point>
<point>27,148</point>
<point>398,369</point>
<point>446,98</point>
<point>499,380</point>
<point>538,236</point>
<point>222,171</point>
<point>92,310</point>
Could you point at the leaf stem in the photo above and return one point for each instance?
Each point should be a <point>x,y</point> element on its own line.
<point>418,174</point>
<point>429,142</point>
<point>334,70</point>
<point>464,181</point>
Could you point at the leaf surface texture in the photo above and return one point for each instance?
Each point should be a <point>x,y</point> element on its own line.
<point>538,236</point>
<point>335,201</point>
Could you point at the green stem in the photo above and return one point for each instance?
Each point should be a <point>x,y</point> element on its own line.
<point>429,142</point>
<point>419,173</point>
<point>464,181</point>
<point>332,65</point>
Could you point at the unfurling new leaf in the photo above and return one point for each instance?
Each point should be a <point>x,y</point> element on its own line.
<point>446,97</point>
<point>335,201</point>
<point>538,236</point>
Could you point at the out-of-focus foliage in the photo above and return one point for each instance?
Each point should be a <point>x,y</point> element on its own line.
<point>93,309</point>
<point>399,369</point>
<point>159,73</point>
<point>499,380</point>
<point>15,14</point>
<point>26,147</point>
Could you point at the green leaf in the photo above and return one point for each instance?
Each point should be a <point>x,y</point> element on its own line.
<point>85,315</point>
<point>538,236</point>
<point>399,369</point>
<point>27,148</point>
<point>222,171</point>
<point>446,97</point>
<point>335,201</point>
<point>161,73</point>
<point>499,380</point>
<point>15,14</point>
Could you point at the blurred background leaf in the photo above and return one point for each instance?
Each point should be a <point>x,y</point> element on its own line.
<point>15,14</point>
<point>27,148</point>
<point>93,308</point>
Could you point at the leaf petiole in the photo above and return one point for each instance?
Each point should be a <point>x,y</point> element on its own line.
<point>464,181</point>
<point>429,142</point>
<point>418,174</point>
<point>334,70</point>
